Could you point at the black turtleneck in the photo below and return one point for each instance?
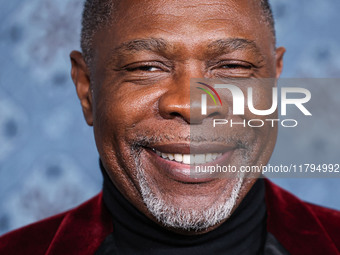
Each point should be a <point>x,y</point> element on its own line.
<point>243,233</point>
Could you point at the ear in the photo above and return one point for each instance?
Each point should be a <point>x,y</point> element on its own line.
<point>81,79</point>
<point>279,60</point>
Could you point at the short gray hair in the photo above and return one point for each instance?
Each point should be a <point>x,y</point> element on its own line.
<point>96,14</point>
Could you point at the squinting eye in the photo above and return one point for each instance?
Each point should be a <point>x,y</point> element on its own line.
<point>151,68</point>
<point>144,68</point>
<point>235,66</point>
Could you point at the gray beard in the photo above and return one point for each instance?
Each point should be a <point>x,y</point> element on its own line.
<point>187,219</point>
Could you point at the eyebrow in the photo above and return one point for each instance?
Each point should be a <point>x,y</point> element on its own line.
<point>232,44</point>
<point>149,44</point>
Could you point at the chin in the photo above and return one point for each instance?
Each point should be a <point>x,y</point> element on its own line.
<point>193,212</point>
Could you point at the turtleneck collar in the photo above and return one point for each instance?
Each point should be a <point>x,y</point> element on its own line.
<point>243,233</point>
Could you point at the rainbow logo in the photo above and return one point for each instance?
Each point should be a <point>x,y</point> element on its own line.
<point>204,97</point>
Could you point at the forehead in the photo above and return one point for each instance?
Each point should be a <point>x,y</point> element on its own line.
<point>190,22</point>
<point>181,8</point>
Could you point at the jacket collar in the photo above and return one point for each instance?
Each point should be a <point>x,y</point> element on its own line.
<point>295,224</point>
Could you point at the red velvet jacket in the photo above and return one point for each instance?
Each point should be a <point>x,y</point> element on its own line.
<point>300,227</point>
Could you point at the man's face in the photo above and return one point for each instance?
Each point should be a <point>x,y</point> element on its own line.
<point>140,103</point>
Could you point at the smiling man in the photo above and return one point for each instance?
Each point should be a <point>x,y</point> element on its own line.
<point>134,80</point>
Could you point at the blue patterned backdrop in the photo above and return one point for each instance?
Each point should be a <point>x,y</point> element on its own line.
<point>48,159</point>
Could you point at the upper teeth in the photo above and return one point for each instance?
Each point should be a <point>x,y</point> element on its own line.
<point>190,158</point>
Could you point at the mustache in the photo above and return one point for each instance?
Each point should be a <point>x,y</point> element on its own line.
<point>141,141</point>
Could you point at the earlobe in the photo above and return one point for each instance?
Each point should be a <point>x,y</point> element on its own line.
<point>81,80</point>
<point>279,60</point>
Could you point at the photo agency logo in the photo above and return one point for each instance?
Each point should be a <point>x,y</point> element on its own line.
<point>204,97</point>
<point>294,96</point>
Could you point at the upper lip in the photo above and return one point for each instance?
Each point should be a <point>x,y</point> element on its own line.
<point>192,148</point>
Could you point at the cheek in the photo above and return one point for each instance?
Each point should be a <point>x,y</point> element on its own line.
<point>261,110</point>
<point>119,110</point>
<point>262,96</point>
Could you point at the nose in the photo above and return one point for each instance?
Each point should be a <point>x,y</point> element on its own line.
<point>175,102</point>
<point>183,100</point>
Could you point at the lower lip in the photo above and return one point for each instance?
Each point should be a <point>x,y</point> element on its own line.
<point>183,172</point>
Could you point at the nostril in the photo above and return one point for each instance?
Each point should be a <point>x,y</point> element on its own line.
<point>175,114</point>
<point>214,114</point>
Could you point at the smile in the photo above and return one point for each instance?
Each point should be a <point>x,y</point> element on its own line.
<point>189,159</point>
<point>177,161</point>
